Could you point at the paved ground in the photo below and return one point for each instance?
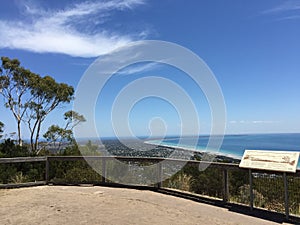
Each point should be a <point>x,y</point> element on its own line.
<point>101,205</point>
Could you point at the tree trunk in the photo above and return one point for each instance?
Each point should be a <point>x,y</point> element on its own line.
<point>37,135</point>
<point>32,131</point>
<point>20,143</point>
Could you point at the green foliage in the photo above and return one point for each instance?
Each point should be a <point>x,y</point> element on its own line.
<point>200,182</point>
<point>243,196</point>
<point>294,194</point>
<point>71,150</point>
<point>237,178</point>
<point>180,181</point>
<point>272,188</point>
<point>74,172</point>
<point>57,135</point>
<point>9,149</point>
<point>19,178</point>
<point>89,149</point>
<point>80,174</point>
<point>75,150</point>
<point>72,119</point>
<point>203,184</point>
<point>22,172</point>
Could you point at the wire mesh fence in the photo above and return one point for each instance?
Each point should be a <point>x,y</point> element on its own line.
<point>294,195</point>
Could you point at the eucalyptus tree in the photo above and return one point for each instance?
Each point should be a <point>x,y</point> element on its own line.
<point>47,95</point>
<point>56,135</point>
<point>14,87</point>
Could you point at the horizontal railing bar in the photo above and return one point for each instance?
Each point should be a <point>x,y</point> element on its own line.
<point>22,159</point>
<point>70,158</point>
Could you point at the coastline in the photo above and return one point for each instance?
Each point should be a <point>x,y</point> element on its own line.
<point>199,150</point>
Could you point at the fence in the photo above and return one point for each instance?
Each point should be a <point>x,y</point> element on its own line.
<point>223,182</point>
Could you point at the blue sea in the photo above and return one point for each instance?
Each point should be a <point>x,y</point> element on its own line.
<point>235,145</point>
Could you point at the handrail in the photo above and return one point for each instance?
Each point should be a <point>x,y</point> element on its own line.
<point>22,159</point>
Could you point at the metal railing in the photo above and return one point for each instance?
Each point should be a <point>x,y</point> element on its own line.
<point>224,182</point>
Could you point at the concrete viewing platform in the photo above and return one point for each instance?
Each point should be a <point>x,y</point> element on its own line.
<point>103,205</point>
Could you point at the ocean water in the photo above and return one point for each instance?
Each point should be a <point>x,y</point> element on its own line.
<point>235,145</point>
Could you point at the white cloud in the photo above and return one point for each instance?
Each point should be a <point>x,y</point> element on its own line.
<point>139,68</point>
<point>57,31</point>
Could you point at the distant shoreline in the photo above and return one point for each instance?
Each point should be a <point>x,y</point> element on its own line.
<point>195,150</point>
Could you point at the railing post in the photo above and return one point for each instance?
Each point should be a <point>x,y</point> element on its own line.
<point>47,170</point>
<point>159,175</point>
<point>251,189</point>
<point>286,196</point>
<point>225,185</point>
<point>103,170</point>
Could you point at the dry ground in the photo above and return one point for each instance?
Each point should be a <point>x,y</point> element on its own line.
<point>101,205</point>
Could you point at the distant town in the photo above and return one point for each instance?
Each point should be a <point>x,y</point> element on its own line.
<point>135,148</point>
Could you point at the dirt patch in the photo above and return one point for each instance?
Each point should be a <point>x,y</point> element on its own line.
<point>101,205</point>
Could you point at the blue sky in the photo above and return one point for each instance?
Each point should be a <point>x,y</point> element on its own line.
<point>252,47</point>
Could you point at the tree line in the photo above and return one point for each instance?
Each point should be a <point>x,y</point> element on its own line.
<point>30,98</point>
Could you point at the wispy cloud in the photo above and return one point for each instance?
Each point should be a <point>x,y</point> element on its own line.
<point>134,69</point>
<point>68,31</point>
<point>289,9</point>
<point>252,122</point>
<point>286,6</point>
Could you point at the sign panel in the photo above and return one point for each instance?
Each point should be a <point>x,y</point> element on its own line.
<point>283,161</point>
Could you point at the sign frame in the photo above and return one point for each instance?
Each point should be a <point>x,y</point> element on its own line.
<point>281,161</point>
